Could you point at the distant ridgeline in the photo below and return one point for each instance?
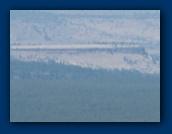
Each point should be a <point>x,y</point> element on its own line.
<point>59,71</point>
<point>109,49</point>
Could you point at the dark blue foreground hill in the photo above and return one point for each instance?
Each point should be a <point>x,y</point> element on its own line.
<point>54,92</point>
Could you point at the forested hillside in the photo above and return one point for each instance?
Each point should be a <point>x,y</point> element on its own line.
<point>52,70</point>
<point>84,65</point>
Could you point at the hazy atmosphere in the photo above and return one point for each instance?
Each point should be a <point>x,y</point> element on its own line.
<point>85,66</point>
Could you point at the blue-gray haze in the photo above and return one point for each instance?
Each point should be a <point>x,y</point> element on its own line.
<point>84,65</point>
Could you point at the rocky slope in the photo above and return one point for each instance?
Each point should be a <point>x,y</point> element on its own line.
<point>106,39</point>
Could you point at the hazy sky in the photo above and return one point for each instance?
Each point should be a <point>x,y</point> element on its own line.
<point>129,13</point>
